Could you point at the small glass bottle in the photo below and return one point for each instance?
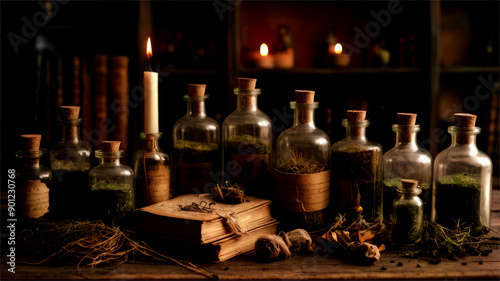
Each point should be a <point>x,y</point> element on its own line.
<point>408,215</point>
<point>302,171</point>
<point>151,172</point>
<point>196,146</point>
<point>111,186</point>
<point>406,160</point>
<point>247,143</point>
<point>33,181</point>
<point>463,179</point>
<point>70,163</point>
<point>356,171</point>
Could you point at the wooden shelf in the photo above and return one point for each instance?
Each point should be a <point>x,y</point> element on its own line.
<point>326,71</point>
<point>469,69</point>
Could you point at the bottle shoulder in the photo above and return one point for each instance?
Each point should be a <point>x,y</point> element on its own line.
<point>463,155</point>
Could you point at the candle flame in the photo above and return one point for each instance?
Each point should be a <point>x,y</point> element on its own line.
<point>149,50</point>
<point>338,49</point>
<point>264,50</point>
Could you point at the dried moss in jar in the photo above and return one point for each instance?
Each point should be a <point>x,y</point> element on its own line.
<point>111,187</point>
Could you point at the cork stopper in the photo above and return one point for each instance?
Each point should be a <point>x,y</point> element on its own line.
<point>304,96</point>
<point>409,184</point>
<point>30,143</point>
<point>196,90</point>
<point>247,83</point>
<point>69,112</point>
<point>465,120</point>
<point>407,119</point>
<point>356,115</point>
<point>110,146</point>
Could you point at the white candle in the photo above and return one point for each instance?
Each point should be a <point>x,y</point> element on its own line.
<point>150,98</point>
<point>151,102</point>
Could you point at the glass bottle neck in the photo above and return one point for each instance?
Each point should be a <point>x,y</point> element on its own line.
<point>303,114</point>
<point>31,159</point>
<point>151,142</point>
<point>406,135</point>
<point>112,161</point>
<point>71,130</point>
<point>247,102</point>
<point>461,136</point>
<point>196,108</point>
<point>32,162</point>
<point>355,130</point>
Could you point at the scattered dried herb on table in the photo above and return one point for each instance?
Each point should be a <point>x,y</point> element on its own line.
<point>88,243</point>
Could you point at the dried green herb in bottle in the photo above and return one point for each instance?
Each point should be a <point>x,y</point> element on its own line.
<point>408,216</point>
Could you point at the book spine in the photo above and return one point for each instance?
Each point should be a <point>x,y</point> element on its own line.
<point>119,98</point>
<point>100,102</point>
<point>86,102</point>
<point>76,92</point>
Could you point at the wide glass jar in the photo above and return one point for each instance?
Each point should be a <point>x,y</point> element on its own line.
<point>247,142</point>
<point>151,172</point>
<point>302,170</point>
<point>406,160</point>
<point>111,186</point>
<point>70,163</point>
<point>197,154</point>
<point>357,171</point>
<point>32,182</point>
<point>408,215</point>
<point>463,179</point>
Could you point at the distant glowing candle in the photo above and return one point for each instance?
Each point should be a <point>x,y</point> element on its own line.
<point>150,96</point>
<point>265,60</point>
<point>340,58</point>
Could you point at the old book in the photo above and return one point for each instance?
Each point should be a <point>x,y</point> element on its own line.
<point>119,86</point>
<point>167,219</point>
<point>100,99</point>
<point>217,251</point>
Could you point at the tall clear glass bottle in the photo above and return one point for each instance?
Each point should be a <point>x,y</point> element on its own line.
<point>151,172</point>
<point>247,142</point>
<point>408,217</point>
<point>111,186</point>
<point>196,146</point>
<point>463,179</point>
<point>406,160</point>
<point>302,170</point>
<point>70,163</point>
<point>357,171</point>
<point>32,182</point>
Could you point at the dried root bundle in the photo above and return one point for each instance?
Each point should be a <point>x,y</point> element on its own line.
<point>282,246</point>
<point>231,194</point>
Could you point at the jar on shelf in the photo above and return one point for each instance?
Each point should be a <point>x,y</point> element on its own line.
<point>247,142</point>
<point>408,216</point>
<point>356,171</point>
<point>70,163</point>
<point>406,160</point>
<point>151,172</point>
<point>197,154</point>
<point>111,186</point>
<point>302,170</point>
<point>463,179</point>
<point>32,182</point>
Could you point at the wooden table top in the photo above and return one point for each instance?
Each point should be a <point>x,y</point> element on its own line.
<point>305,267</point>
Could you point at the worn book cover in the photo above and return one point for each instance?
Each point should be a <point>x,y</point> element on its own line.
<point>213,221</point>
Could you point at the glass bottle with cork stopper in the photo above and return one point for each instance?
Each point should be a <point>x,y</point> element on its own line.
<point>33,181</point>
<point>356,171</point>
<point>406,160</point>
<point>247,142</point>
<point>463,179</point>
<point>302,170</point>
<point>408,215</point>
<point>70,163</point>
<point>196,145</point>
<point>112,186</point>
